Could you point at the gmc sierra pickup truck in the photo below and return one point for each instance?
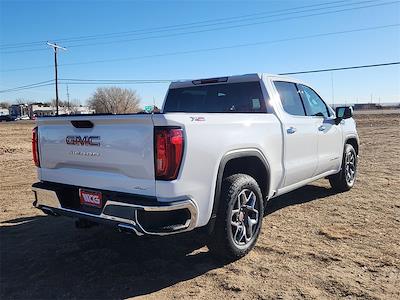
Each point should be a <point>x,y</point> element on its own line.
<point>217,152</point>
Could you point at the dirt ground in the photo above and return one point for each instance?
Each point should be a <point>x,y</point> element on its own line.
<point>314,244</point>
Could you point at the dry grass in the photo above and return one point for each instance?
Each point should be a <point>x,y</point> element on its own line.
<point>314,243</point>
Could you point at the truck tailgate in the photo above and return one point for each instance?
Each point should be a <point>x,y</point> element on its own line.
<point>115,154</point>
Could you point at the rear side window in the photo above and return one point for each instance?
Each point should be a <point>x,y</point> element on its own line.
<point>290,98</point>
<point>243,97</point>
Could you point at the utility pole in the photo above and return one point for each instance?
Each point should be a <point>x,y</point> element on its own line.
<point>67,97</point>
<point>333,94</point>
<point>55,47</point>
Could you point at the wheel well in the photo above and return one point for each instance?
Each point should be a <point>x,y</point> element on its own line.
<point>252,166</point>
<point>251,163</point>
<point>354,143</point>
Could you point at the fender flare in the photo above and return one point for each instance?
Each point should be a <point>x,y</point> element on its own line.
<point>239,153</point>
<point>352,137</point>
<point>346,139</point>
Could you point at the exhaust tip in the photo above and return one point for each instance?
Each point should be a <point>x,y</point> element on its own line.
<point>49,211</point>
<point>127,229</point>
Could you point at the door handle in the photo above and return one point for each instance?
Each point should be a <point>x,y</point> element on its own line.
<point>321,128</point>
<point>291,130</point>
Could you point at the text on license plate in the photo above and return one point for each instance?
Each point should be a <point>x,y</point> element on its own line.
<point>90,198</point>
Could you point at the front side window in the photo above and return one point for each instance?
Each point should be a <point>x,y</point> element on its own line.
<point>290,98</point>
<point>243,97</point>
<point>313,103</point>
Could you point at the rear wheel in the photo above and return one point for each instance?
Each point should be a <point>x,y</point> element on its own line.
<point>239,218</point>
<point>344,180</point>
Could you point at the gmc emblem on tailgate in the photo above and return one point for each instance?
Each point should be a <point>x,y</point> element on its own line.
<point>83,140</point>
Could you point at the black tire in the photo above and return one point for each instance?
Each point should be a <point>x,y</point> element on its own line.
<point>341,181</point>
<point>223,241</point>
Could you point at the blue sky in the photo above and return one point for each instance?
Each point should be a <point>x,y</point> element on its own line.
<point>31,21</point>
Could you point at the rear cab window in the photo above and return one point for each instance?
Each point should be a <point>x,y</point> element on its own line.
<point>241,97</point>
<point>290,98</point>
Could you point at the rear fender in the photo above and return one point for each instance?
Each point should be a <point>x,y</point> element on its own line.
<point>240,153</point>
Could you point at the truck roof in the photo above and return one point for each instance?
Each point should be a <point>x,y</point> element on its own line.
<point>228,79</point>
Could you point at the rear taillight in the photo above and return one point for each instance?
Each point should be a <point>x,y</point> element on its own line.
<point>168,146</point>
<point>35,147</point>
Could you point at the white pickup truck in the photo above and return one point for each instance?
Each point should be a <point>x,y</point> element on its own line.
<point>217,152</point>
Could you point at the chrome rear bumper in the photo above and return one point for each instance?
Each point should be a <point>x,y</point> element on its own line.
<point>125,216</point>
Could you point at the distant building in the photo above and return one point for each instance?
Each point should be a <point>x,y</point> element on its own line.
<point>42,110</point>
<point>19,110</point>
<point>361,106</point>
<point>369,106</point>
<point>82,110</point>
<point>389,105</point>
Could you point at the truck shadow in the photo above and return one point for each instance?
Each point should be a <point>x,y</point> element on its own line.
<point>303,195</point>
<point>46,257</point>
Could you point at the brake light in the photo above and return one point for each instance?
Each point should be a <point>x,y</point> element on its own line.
<point>168,144</point>
<point>210,80</point>
<point>35,147</point>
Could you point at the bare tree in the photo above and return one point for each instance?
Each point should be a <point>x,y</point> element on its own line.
<point>4,104</point>
<point>73,106</point>
<point>114,100</point>
<point>22,101</point>
<point>69,107</point>
<point>60,103</point>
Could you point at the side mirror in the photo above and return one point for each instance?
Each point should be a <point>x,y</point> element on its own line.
<point>343,112</point>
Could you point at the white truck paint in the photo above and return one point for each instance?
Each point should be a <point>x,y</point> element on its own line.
<point>295,149</point>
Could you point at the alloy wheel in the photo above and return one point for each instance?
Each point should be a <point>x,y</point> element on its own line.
<point>350,167</point>
<point>245,217</point>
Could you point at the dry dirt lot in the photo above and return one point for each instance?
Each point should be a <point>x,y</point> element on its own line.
<point>314,244</point>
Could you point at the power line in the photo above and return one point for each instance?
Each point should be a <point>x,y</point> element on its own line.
<point>220,28</point>
<point>234,26</point>
<point>176,26</point>
<point>109,80</point>
<point>225,27</point>
<point>86,81</point>
<point>28,86</point>
<point>141,81</point>
<point>204,30</point>
<point>343,68</point>
<point>118,82</point>
<point>211,49</point>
